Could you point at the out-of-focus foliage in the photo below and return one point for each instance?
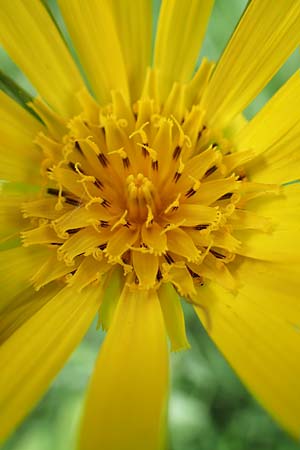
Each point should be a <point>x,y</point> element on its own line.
<point>209,407</point>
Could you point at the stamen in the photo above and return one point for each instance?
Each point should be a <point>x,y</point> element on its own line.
<point>201,226</point>
<point>99,184</point>
<point>168,258</point>
<point>177,176</point>
<point>103,160</point>
<point>72,201</point>
<point>159,276</point>
<point>105,203</point>
<point>52,191</point>
<point>155,165</point>
<point>226,196</point>
<point>177,152</point>
<point>78,148</point>
<point>217,254</point>
<point>210,171</point>
<point>72,166</point>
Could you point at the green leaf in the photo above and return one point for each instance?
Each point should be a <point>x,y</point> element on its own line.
<point>11,88</point>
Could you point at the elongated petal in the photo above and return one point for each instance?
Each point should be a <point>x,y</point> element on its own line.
<point>173,317</point>
<point>126,400</point>
<point>258,332</point>
<point>134,27</point>
<point>111,294</point>
<point>181,28</point>
<point>266,35</point>
<point>34,43</point>
<point>32,356</point>
<point>274,133</point>
<point>92,28</point>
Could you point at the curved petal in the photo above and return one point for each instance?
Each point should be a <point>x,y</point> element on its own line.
<point>128,392</point>
<point>93,31</point>
<point>265,37</point>
<point>257,329</point>
<point>32,356</point>
<point>34,43</point>
<point>274,134</point>
<point>180,32</point>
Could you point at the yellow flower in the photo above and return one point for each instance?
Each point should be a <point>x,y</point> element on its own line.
<point>152,188</point>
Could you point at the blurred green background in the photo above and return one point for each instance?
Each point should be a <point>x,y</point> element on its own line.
<point>209,407</point>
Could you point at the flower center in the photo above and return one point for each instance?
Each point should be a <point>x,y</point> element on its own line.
<point>140,197</point>
<point>139,190</point>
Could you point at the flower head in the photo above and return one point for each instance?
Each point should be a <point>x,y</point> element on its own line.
<point>150,188</point>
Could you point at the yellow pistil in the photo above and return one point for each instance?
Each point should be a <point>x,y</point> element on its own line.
<point>140,195</point>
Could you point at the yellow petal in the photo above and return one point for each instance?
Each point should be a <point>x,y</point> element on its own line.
<point>50,269</point>
<point>180,277</point>
<point>215,270</point>
<point>89,272</point>
<point>22,307</point>
<point>34,43</point>
<point>93,31</point>
<point>180,243</point>
<point>242,219</point>
<point>111,293</point>
<point>198,165</point>
<point>44,234</point>
<point>274,134</point>
<point>81,217</point>
<point>257,329</point>
<point>211,191</point>
<point>145,266</point>
<point>181,28</point>
<point>125,407</point>
<point>17,266</point>
<point>154,239</point>
<point>46,340</point>
<point>11,220</point>
<point>280,163</point>
<point>134,27</point>
<point>173,316</point>
<point>197,85</point>
<point>264,38</point>
<point>122,239</point>
<point>281,242</point>
<point>84,241</point>
<point>13,115</point>
<point>195,214</point>
<point>20,159</point>
<point>44,208</point>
